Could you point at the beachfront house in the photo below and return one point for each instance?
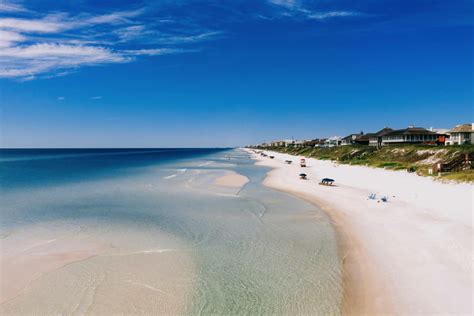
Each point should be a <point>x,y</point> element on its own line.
<point>350,139</point>
<point>375,139</point>
<point>410,135</point>
<point>282,143</point>
<point>356,139</point>
<point>311,143</point>
<point>301,143</point>
<point>444,135</point>
<point>277,143</point>
<point>363,139</point>
<point>333,141</point>
<point>288,142</point>
<point>320,142</point>
<point>461,135</point>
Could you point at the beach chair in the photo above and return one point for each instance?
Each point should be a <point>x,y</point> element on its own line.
<point>303,176</point>
<point>303,163</point>
<point>327,181</point>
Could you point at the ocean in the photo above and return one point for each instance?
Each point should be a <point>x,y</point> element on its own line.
<point>128,231</point>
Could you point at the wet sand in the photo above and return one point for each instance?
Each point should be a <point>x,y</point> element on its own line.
<point>27,255</point>
<point>48,270</point>
<point>233,180</point>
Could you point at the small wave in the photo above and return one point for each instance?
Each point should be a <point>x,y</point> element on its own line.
<point>146,252</point>
<point>154,251</point>
<point>205,164</point>
<point>42,243</point>
<point>176,174</point>
<point>227,195</point>
<point>147,286</point>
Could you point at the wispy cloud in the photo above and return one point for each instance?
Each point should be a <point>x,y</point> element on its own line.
<point>46,25</point>
<point>129,33</point>
<point>180,39</point>
<point>57,22</point>
<point>61,98</point>
<point>155,51</point>
<point>8,38</point>
<point>285,3</point>
<point>96,97</point>
<point>59,43</point>
<point>6,6</point>
<point>301,10</point>
<point>332,14</point>
<point>31,60</point>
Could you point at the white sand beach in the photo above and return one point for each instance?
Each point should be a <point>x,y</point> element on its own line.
<point>410,255</point>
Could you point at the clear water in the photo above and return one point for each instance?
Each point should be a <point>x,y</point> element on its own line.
<point>171,236</point>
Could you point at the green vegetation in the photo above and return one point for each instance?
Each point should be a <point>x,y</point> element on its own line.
<point>416,158</point>
<point>461,176</point>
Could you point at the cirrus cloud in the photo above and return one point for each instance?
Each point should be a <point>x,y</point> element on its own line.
<point>59,43</point>
<point>56,43</point>
<point>6,6</point>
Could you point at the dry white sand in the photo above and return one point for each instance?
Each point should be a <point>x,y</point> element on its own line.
<point>411,255</point>
<point>232,179</point>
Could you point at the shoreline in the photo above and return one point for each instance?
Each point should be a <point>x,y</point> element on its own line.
<point>395,254</point>
<point>358,283</point>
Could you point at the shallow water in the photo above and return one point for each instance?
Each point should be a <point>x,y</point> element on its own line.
<point>170,240</point>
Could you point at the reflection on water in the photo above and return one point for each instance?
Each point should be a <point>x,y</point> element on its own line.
<point>174,242</point>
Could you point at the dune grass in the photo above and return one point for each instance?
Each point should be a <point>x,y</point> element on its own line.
<point>461,176</point>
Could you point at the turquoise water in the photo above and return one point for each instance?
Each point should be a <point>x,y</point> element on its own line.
<point>249,250</point>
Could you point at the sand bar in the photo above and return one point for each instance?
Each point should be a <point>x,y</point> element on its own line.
<point>232,180</point>
<point>411,255</point>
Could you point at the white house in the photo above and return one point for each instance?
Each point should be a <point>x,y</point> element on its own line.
<point>333,141</point>
<point>410,135</point>
<point>461,135</point>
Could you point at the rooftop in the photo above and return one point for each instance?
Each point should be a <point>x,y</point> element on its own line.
<point>382,132</point>
<point>464,128</point>
<point>410,131</point>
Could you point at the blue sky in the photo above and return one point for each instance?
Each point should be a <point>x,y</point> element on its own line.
<point>228,73</point>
